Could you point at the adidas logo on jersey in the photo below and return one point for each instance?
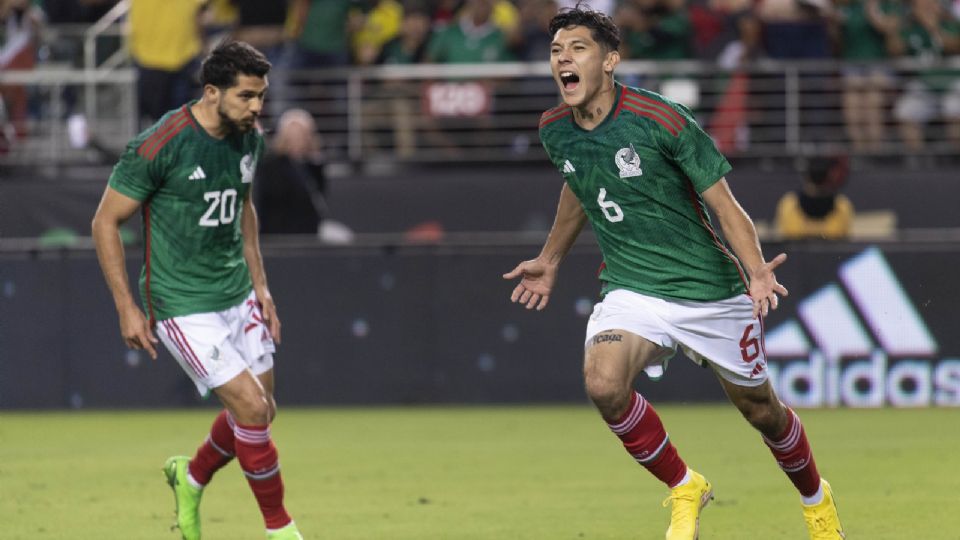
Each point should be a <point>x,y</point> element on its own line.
<point>197,174</point>
<point>568,167</point>
<point>861,343</point>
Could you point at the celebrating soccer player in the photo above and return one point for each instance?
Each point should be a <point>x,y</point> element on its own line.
<point>203,285</point>
<point>640,169</point>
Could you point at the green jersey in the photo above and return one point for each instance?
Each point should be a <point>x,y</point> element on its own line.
<point>639,176</point>
<point>192,187</point>
<point>859,38</point>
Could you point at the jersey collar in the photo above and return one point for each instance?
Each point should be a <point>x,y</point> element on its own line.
<point>611,114</point>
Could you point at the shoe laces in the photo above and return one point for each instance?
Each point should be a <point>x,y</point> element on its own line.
<point>821,529</point>
<point>678,516</point>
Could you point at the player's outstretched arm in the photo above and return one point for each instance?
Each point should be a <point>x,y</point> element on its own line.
<point>116,208</point>
<point>258,276</point>
<point>539,275</point>
<point>740,233</point>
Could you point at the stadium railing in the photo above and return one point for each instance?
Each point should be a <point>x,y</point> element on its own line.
<point>482,112</point>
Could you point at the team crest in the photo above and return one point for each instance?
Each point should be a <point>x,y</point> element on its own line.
<point>628,162</point>
<point>247,166</point>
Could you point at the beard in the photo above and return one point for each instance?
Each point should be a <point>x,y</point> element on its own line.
<point>233,126</point>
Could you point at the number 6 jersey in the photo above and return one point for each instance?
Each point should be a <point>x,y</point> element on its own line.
<point>192,187</point>
<point>639,176</point>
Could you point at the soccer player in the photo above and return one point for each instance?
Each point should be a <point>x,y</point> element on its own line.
<point>203,285</point>
<point>641,170</point>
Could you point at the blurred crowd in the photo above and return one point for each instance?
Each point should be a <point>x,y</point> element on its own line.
<point>166,38</point>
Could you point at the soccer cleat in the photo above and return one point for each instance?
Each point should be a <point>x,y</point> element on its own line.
<point>186,496</point>
<point>822,519</point>
<point>287,532</point>
<point>688,500</point>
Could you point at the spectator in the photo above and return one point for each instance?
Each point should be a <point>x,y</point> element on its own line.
<point>322,29</point>
<point>75,11</point>
<point>728,33</point>
<point>261,24</point>
<point>795,29</point>
<point>410,44</point>
<point>724,31</point>
<point>443,12</point>
<point>817,210</point>
<point>656,29</point>
<point>862,28</point>
<point>533,42</point>
<point>473,37</point>
<point>19,30</point>
<point>927,35</point>
<point>219,19</point>
<point>506,17</point>
<point>165,43</point>
<point>381,25</point>
<point>603,6</point>
<point>290,184</point>
<point>394,107</point>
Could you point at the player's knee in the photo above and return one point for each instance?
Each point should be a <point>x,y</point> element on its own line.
<point>763,416</point>
<point>608,395</point>
<point>255,411</point>
<point>272,404</point>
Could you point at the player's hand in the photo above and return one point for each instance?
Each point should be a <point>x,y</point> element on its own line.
<point>269,311</point>
<point>136,331</point>
<point>764,287</point>
<point>535,286</point>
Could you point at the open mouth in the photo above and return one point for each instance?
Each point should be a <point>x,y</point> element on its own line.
<point>569,80</point>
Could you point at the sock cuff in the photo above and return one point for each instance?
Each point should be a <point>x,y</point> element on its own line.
<point>252,434</point>
<point>791,434</point>
<point>632,417</point>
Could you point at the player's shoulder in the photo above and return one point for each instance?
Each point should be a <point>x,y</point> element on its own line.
<point>172,126</point>
<point>549,119</point>
<point>655,108</point>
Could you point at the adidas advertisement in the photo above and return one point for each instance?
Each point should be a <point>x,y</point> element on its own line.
<point>863,337</point>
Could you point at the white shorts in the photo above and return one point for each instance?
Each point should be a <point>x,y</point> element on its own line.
<point>215,347</point>
<point>723,333</point>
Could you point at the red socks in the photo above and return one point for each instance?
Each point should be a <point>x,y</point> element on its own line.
<point>216,451</point>
<point>645,439</point>
<point>258,459</point>
<point>792,452</point>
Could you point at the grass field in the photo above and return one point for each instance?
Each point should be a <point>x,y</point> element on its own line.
<point>538,473</point>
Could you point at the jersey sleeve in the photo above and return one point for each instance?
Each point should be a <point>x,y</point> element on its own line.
<point>695,153</point>
<point>134,175</point>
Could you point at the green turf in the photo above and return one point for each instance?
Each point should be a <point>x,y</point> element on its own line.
<point>538,473</point>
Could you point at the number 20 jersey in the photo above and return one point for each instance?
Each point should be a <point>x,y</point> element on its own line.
<point>639,177</point>
<point>192,187</point>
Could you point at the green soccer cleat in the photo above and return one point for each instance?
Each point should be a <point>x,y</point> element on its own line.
<point>186,497</point>
<point>688,500</point>
<point>287,532</point>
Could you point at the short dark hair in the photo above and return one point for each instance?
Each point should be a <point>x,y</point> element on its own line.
<point>828,171</point>
<point>602,28</point>
<point>230,59</point>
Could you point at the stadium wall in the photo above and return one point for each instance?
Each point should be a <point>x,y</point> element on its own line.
<point>864,326</point>
<point>499,197</point>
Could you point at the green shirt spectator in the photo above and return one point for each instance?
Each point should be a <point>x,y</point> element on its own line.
<point>323,28</point>
<point>472,38</point>
<point>862,24</point>
<point>656,30</point>
<point>922,43</point>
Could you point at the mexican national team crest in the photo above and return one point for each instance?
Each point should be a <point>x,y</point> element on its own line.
<point>628,162</point>
<point>247,166</point>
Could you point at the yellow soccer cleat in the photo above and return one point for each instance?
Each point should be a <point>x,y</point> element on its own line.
<point>822,519</point>
<point>688,500</point>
